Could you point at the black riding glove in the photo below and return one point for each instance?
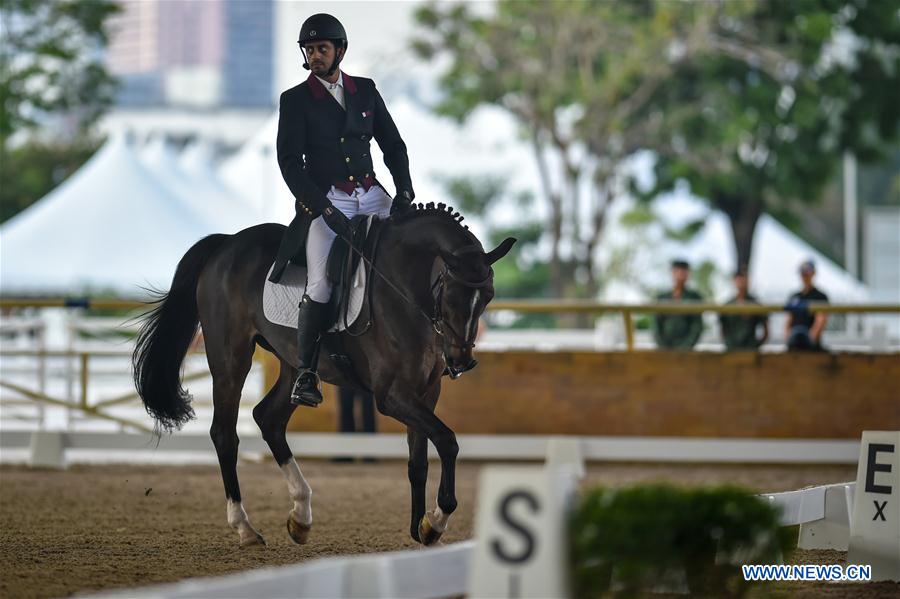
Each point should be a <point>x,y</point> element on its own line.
<point>402,202</point>
<point>337,222</point>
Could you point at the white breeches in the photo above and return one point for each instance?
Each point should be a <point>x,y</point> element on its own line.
<point>318,243</point>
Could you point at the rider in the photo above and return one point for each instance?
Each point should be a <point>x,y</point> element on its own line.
<point>324,129</point>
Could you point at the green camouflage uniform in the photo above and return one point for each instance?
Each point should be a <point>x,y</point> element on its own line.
<point>677,331</point>
<point>739,332</point>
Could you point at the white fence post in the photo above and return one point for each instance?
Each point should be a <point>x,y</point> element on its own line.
<point>832,531</point>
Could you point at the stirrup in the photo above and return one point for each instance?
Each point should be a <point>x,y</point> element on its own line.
<point>302,395</point>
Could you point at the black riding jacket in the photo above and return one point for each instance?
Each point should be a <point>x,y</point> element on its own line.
<point>321,144</point>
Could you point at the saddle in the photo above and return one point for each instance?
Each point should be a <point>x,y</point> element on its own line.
<point>343,262</point>
<point>346,272</point>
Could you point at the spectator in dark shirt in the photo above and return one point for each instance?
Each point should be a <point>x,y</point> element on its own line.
<point>739,331</point>
<point>678,331</point>
<point>804,329</point>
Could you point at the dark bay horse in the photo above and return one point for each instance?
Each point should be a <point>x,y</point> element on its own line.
<point>400,358</point>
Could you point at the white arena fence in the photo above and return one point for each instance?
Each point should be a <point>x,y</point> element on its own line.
<point>823,513</point>
<point>56,448</point>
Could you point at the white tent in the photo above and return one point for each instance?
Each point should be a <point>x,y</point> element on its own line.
<point>110,227</point>
<point>253,174</point>
<point>198,187</point>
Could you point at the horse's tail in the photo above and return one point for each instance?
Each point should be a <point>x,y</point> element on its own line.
<point>166,336</point>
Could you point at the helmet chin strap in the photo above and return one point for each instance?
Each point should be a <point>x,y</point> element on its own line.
<point>336,63</point>
<point>305,60</point>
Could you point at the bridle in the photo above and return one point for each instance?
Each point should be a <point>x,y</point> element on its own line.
<point>437,319</point>
<point>440,326</point>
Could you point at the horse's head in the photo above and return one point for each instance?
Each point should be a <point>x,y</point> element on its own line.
<point>461,292</point>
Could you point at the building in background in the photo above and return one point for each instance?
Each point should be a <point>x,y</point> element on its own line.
<point>193,69</point>
<point>216,53</point>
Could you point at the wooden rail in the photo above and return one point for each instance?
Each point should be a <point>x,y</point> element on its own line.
<point>526,306</point>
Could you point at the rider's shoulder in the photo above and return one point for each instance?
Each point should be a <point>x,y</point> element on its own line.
<point>363,82</point>
<point>296,91</point>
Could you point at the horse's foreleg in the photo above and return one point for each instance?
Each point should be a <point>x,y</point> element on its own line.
<point>417,470</point>
<point>272,415</point>
<point>420,418</point>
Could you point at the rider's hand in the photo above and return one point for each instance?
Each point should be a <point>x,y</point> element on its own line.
<point>402,202</point>
<point>337,222</point>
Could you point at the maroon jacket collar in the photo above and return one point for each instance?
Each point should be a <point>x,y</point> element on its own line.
<point>318,90</point>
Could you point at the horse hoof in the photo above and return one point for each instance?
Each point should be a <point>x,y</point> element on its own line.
<point>428,534</point>
<point>255,540</point>
<point>299,532</point>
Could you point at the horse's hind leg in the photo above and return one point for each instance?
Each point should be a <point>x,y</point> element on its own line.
<point>272,415</point>
<point>229,367</point>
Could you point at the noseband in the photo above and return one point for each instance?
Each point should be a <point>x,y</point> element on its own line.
<point>441,326</point>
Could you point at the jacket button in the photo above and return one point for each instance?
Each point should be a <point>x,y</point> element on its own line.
<point>350,178</point>
<point>362,137</point>
<point>342,140</point>
<point>347,159</point>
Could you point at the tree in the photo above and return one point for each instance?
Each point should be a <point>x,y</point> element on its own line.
<point>50,67</point>
<point>572,75</point>
<point>521,274</point>
<point>31,170</point>
<point>758,118</point>
<point>50,61</point>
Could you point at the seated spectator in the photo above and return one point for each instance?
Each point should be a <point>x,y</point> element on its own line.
<point>678,331</point>
<point>739,331</point>
<point>803,330</point>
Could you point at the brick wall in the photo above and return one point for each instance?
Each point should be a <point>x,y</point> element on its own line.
<point>663,394</point>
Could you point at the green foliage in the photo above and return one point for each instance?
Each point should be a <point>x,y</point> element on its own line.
<point>573,76</point>
<point>702,276</point>
<point>473,195</point>
<point>50,62</point>
<point>759,112</point>
<point>31,171</point>
<point>520,273</point>
<point>633,540</point>
<point>752,103</point>
<point>687,232</point>
<point>639,216</point>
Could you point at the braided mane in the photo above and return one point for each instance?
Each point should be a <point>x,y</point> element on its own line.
<point>440,210</point>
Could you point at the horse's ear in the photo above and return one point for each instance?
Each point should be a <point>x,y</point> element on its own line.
<point>500,251</point>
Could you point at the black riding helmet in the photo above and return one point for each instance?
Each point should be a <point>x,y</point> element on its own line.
<point>323,27</point>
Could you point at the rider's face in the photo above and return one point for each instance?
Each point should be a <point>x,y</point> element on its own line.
<point>320,55</point>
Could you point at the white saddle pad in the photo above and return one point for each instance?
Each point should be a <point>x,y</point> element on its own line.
<point>281,301</point>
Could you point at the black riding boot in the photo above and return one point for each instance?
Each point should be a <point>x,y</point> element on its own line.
<point>309,326</point>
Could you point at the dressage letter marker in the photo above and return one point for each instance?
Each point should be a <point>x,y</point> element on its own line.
<point>875,529</point>
<point>520,527</point>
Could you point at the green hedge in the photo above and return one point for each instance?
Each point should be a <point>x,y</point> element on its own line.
<point>662,538</point>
